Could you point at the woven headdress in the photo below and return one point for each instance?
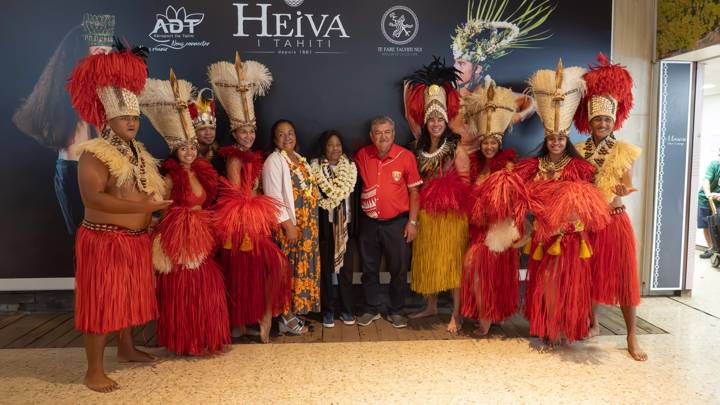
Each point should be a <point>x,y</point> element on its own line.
<point>105,86</point>
<point>202,109</point>
<point>557,94</point>
<point>164,102</point>
<point>236,86</point>
<point>490,33</point>
<point>433,93</point>
<point>609,93</point>
<point>98,30</point>
<point>488,111</point>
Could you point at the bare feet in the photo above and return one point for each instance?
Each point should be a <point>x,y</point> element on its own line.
<point>455,324</point>
<point>483,328</point>
<point>634,349</point>
<point>424,313</point>
<point>135,356</point>
<point>98,381</point>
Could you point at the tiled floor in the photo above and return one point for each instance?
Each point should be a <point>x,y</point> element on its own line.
<point>683,368</point>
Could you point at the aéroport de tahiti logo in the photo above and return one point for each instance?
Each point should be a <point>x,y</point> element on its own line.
<point>399,25</point>
<point>277,30</point>
<point>176,29</point>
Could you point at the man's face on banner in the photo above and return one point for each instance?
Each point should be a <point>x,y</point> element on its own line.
<point>469,72</point>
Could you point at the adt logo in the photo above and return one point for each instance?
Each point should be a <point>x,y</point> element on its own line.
<point>399,25</point>
<point>175,22</point>
<point>176,29</point>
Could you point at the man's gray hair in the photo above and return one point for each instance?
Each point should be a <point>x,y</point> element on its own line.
<point>383,119</point>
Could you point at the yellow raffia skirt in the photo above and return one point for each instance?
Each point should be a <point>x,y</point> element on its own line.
<point>438,251</point>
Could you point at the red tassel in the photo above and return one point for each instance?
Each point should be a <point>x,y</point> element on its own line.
<point>614,263</point>
<point>416,103</point>
<point>193,310</point>
<point>114,284</point>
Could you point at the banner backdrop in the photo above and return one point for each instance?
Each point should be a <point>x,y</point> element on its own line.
<point>335,64</point>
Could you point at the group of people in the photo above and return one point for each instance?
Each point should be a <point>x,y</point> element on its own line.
<point>216,239</point>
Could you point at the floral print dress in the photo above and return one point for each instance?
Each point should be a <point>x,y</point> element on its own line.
<point>304,255</point>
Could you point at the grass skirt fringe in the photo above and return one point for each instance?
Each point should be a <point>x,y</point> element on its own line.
<point>114,282</point>
<point>438,252</point>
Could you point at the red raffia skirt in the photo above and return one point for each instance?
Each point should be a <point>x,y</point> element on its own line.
<point>614,263</point>
<point>114,282</point>
<point>558,302</point>
<point>255,279</point>
<point>193,310</point>
<point>491,284</point>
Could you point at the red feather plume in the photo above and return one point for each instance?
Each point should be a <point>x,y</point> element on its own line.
<point>118,69</point>
<point>609,79</point>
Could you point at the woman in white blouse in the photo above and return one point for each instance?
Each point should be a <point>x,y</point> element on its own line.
<point>287,177</point>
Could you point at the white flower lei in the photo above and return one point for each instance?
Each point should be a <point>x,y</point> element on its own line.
<point>335,184</point>
<point>305,184</point>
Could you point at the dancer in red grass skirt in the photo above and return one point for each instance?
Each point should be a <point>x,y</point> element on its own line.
<point>120,187</point>
<point>258,274</point>
<point>558,303</point>
<point>490,287</point>
<point>604,109</point>
<point>190,290</point>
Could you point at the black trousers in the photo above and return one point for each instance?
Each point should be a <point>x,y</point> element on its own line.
<point>343,294</point>
<point>67,191</point>
<point>378,238</point>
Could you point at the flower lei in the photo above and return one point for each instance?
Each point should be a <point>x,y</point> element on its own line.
<point>305,184</point>
<point>336,184</point>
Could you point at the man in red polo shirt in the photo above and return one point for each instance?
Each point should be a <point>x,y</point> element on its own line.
<point>390,203</point>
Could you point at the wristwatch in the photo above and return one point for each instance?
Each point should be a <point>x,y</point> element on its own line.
<point>414,223</point>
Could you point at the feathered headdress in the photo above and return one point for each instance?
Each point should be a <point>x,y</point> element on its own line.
<point>557,95</point>
<point>488,111</point>
<point>202,109</point>
<point>489,33</point>
<point>105,86</point>
<point>432,92</point>
<point>236,87</point>
<point>164,102</point>
<point>609,92</point>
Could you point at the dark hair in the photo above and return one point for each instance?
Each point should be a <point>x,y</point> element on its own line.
<point>325,138</point>
<point>47,114</point>
<point>542,149</point>
<point>277,123</point>
<point>481,158</point>
<point>424,142</point>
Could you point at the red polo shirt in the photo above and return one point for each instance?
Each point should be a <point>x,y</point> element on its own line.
<point>386,181</point>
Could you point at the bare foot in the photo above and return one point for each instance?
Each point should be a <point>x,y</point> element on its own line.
<point>634,349</point>
<point>98,381</point>
<point>265,330</point>
<point>594,330</point>
<point>135,356</point>
<point>483,328</point>
<point>424,313</point>
<point>455,324</point>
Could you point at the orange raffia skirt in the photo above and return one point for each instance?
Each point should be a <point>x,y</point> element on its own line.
<point>491,284</point>
<point>114,282</point>
<point>614,263</point>
<point>558,302</point>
